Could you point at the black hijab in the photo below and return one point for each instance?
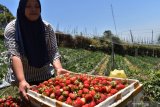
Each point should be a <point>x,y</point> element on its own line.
<point>30,35</point>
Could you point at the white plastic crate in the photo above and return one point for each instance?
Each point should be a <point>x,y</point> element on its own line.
<point>39,100</point>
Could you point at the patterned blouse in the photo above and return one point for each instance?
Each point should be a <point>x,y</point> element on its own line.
<point>31,73</point>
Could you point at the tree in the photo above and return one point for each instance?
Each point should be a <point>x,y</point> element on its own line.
<point>159,39</point>
<point>107,34</point>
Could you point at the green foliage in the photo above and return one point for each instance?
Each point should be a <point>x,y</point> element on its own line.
<point>5,17</point>
<point>152,87</point>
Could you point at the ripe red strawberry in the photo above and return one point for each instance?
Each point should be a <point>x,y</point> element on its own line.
<point>108,95</point>
<point>61,98</point>
<point>69,101</point>
<point>113,91</point>
<point>86,105</point>
<point>7,104</point>
<point>103,97</point>
<point>13,105</point>
<point>45,83</point>
<point>9,98</point>
<point>57,87</point>
<point>120,86</point>
<point>1,100</point>
<point>92,92</point>
<point>80,92</point>
<point>88,97</point>
<point>68,82</point>
<point>73,96</point>
<point>86,82</point>
<point>46,92</point>
<point>72,79</point>
<point>104,82</point>
<point>103,89</point>
<point>58,92</point>
<point>66,88</point>
<point>96,88</point>
<point>92,104</point>
<point>86,85</point>
<point>85,90</point>
<point>78,102</point>
<point>61,84</point>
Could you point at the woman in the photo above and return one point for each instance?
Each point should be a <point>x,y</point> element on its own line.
<point>32,47</point>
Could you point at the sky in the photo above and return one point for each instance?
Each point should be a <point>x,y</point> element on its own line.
<point>141,18</point>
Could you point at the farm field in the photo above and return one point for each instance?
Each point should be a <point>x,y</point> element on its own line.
<point>145,69</point>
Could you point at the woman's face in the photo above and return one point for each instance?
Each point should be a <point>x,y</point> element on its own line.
<point>32,10</point>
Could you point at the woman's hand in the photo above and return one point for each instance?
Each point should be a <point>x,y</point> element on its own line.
<point>23,86</point>
<point>61,71</point>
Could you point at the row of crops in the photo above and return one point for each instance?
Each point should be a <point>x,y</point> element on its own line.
<point>145,69</point>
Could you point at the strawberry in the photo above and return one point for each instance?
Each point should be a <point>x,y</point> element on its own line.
<point>86,85</point>
<point>13,105</point>
<point>65,93</point>
<point>68,82</point>
<point>80,93</point>
<point>68,101</point>
<point>9,98</point>
<point>88,97</point>
<point>61,98</point>
<point>96,88</point>
<point>73,79</point>
<point>66,88</point>
<point>45,83</point>
<point>57,87</point>
<point>113,91</point>
<point>92,104</point>
<point>104,82</point>
<point>73,96</point>
<point>86,105</point>
<point>7,104</point>
<point>46,92</point>
<point>1,100</point>
<point>52,95</point>
<point>103,97</point>
<point>58,92</point>
<point>108,95</point>
<point>85,90</point>
<point>61,84</point>
<point>120,86</point>
<point>103,89</point>
<point>92,92</point>
<point>78,103</point>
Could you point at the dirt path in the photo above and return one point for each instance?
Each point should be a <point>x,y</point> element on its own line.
<point>130,65</point>
<point>102,67</point>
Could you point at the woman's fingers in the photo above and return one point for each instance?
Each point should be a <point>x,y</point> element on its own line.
<point>23,86</point>
<point>25,95</point>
